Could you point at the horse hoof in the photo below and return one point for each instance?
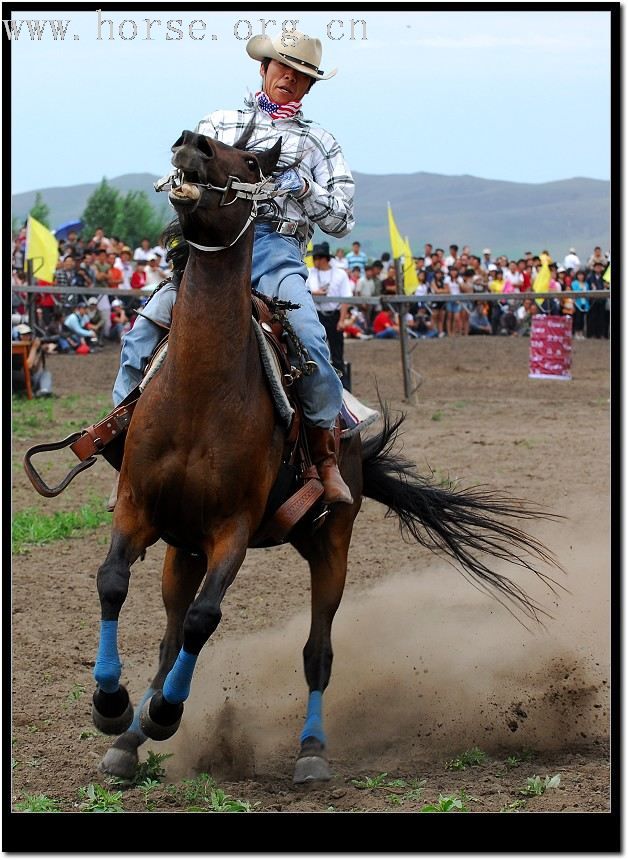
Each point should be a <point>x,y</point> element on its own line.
<point>119,762</point>
<point>311,768</point>
<point>112,713</point>
<point>158,731</point>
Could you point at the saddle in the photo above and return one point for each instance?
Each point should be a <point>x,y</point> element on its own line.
<point>297,491</point>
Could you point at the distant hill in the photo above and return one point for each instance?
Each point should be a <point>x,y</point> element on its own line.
<point>508,217</point>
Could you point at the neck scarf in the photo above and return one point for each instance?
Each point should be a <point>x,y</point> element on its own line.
<point>274,110</point>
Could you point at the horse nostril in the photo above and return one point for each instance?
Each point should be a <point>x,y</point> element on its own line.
<point>205,146</point>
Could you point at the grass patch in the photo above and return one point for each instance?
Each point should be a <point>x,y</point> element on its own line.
<point>469,758</point>
<point>29,415</point>
<point>202,795</point>
<point>437,416</point>
<point>96,798</point>
<point>535,786</point>
<point>446,803</point>
<point>37,803</point>
<point>32,528</point>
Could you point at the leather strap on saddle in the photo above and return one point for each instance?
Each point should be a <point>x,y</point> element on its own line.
<point>98,436</point>
<point>288,515</point>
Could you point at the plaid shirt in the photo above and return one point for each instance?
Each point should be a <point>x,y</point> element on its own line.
<point>329,201</point>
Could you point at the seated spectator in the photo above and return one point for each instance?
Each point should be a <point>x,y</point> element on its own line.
<point>355,325</point>
<point>423,325</point>
<point>55,338</point>
<point>478,321</point>
<point>597,257</point>
<point>75,325</point>
<point>123,262</point>
<point>385,324</point>
<point>119,321</point>
<point>96,320</point>
<point>41,379</point>
<point>524,315</point>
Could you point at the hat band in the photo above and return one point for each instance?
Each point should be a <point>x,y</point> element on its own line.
<point>301,62</point>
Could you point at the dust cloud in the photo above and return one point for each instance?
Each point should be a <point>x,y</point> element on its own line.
<point>424,665</point>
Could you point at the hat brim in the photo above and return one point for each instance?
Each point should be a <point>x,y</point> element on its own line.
<point>260,47</point>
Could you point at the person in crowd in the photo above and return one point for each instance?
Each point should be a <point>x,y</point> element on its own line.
<point>115,276</point>
<point>486,261</point>
<point>326,280</point>
<point>454,308</point>
<point>119,321</point>
<point>99,240</point>
<point>339,259</point>
<point>75,324</point>
<point>581,305</point>
<point>427,254</point>
<point>357,257</point>
<point>385,325</point>
<point>41,379</point>
<point>123,262</point>
<point>596,322</point>
<point>154,275</point>
<point>101,268</point>
<point>138,278</point>
<point>524,313</point>
<point>389,284</point>
<point>423,325</point>
<point>452,258</point>
<point>354,276</point>
<point>355,325</point>
<point>143,250</point>
<point>438,287</point>
<point>597,257</point>
<point>479,322</point>
<point>571,263</point>
<point>96,320</point>
<point>368,286</point>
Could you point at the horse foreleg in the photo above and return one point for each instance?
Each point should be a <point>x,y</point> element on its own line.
<point>328,567</point>
<point>161,713</point>
<point>181,577</point>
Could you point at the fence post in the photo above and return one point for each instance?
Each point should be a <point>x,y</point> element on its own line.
<point>30,303</point>
<point>405,355</point>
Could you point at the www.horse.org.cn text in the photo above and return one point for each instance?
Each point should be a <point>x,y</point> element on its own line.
<point>111,29</point>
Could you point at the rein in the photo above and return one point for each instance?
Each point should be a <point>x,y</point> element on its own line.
<point>253,191</point>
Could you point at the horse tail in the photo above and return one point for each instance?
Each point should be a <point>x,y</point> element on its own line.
<point>464,524</point>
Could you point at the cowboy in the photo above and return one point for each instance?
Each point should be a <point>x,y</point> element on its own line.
<point>316,188</point>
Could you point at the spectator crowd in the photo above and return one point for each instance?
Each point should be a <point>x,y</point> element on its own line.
<point>82,323</point>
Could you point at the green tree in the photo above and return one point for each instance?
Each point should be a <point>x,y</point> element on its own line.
<point>40,211</point>
<point>101,210</point>
<point>136,219</point>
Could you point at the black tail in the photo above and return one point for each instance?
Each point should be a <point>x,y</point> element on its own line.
<point>460,523</point>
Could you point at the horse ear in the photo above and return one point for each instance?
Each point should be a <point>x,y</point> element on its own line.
<point>178,142</point>
<point>268,160</point>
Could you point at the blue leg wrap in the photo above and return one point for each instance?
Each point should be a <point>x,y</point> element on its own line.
<point>179,679</point>
<point>108,666</point>
<point>135,725</point>
<point>313,727</point>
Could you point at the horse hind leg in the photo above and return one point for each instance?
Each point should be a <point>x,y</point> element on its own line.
<point>181,577</point>
<point>327,556</point>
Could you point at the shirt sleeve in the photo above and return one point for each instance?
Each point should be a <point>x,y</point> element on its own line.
<point>328,202</point>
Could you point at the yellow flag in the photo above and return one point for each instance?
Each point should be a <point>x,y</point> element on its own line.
<point>607,274</point>
<point>541,282</point>
<point>309,261</point>
<point>410,279</point>
<point>42,248</point>
<point>396,242</point>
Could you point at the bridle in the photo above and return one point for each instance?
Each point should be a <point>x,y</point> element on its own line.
<point>253,191</point>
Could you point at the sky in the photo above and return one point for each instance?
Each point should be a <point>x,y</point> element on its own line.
<point>522,96</point>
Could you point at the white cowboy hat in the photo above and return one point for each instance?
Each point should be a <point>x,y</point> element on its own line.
<point>294,49</point>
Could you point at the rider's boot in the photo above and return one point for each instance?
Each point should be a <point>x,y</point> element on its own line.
<point>323,452</point>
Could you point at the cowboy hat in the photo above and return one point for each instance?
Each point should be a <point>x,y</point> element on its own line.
<point>294,49</point>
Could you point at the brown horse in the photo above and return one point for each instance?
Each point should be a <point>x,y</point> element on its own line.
<point>202,454</point>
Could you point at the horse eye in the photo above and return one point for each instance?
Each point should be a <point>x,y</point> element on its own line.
<point>251,163</point>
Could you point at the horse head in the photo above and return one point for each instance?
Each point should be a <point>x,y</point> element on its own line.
<point>216,187</point>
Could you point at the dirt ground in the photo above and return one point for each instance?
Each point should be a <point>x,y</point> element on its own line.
<point>425,666</point>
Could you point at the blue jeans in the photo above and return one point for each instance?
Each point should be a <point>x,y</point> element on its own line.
<point>278,271</point>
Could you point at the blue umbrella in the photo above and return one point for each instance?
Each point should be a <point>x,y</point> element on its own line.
<point>62,231</point>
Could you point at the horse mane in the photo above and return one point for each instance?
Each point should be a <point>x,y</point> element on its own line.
<point>178,249</point>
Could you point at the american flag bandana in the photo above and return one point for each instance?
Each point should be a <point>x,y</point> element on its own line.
<point>274,110</point>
